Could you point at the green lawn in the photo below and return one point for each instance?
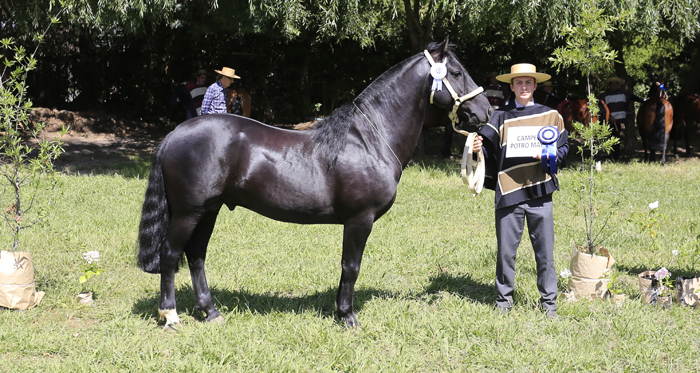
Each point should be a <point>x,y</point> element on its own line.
<point>424,297</point>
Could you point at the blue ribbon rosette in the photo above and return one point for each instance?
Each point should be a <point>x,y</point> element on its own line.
<point>548,136</point>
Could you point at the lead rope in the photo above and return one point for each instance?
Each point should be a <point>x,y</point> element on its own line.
<point>471,177</point>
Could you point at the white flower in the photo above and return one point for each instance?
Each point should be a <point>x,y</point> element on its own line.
<point>654,205</point>
<point>662,273</point>
<point>91,256</point>
<point>675,252</point>
<point>565,273</point>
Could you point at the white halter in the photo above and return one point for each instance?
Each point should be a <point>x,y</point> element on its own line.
<point>475,179</point>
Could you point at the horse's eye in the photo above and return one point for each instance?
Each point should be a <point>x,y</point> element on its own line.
<point>456,74</point>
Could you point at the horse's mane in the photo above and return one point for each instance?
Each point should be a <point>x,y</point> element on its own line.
<point>330,133</point>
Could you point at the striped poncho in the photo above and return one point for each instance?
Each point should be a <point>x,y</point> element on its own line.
<point>510,141</point>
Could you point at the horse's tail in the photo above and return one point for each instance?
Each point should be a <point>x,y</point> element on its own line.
<point>155,216</point>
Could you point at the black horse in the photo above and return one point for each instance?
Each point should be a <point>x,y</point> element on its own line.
<point>343,171</point>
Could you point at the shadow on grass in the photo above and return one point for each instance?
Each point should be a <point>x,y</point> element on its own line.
<point>634,271</point>
<point>463,285</point>
<point>227,301</point>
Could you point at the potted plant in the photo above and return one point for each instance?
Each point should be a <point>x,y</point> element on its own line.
<point>689,287</point>
<point>89,269</point>
<point>615,294</point>
<point>26,174</point>
<point>655,287</point>
<point>588,50</point>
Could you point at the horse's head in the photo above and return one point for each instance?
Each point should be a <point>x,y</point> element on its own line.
<point>461,95</point>
<point>656,91</point>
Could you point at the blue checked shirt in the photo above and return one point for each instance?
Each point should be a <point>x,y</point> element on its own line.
<point>214,100</point>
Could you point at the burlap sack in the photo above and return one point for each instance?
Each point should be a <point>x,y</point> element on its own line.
<point>588,288</point>
<point>586,273</point>
<point>650,287</point>
<point>687,287</point>
<point>17,290</point>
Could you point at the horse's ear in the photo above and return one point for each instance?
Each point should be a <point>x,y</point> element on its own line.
<point>441,52</point>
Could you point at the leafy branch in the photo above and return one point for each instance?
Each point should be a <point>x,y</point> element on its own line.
<point>27,171</point>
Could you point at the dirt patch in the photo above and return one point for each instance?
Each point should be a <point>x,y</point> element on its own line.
<point>98,140</point>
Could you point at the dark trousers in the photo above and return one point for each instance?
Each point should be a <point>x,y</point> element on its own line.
<point>510,222</point>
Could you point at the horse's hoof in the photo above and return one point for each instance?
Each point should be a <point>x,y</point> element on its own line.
<point>172,328</point>
<point>351,321</point>
<point>218,320</point>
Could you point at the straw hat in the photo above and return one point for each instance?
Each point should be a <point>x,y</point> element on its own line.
<point>228,72</point>
<point>523,69</point>
<point>201,72</point>
<point>547,84</point>
<point>615,79</point>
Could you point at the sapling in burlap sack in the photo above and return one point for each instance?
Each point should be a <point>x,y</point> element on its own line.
<point>587,50</point>
<point>26,173</point>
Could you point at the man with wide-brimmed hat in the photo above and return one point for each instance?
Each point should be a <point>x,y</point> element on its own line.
<point>496,93</point>
<point>523,144</point>
<point>215,98</point>
<point>618,101</point>
<point>189,95</point>
<point>544,95</point>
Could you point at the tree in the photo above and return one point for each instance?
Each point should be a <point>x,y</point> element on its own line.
<point>588,51</point>
<point>27,175</point>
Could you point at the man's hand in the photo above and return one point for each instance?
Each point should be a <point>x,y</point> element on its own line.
<point>477,144</point>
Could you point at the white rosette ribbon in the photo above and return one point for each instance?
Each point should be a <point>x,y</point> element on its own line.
<point>438,72</point>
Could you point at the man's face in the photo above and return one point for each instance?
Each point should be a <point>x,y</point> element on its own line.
<point>614,85</point>
<point>548,89</point>
<point>201,79</point>
<point>523,87</point>
<point>226,81</point>
<point>493,80</point>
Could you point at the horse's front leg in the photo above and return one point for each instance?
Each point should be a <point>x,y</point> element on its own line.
<point>354,239</point>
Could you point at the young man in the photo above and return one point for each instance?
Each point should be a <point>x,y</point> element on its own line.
<point>495,92</point>
<point>189,95</point>
<point>618,101</point>
<point>215,99</point>
<point>515,171</point>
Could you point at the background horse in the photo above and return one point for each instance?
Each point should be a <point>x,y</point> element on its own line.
<point>577,111</point>
<point>655,121</point>
<point>686,109</point>
<point>344,171</point>
<point>238,102</point>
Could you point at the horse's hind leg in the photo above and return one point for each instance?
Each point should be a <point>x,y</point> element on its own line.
<point>644,146</point>
<point>176,239</point>
<point>663,154</point>
<point>354,239</point>
<point>196,252</point>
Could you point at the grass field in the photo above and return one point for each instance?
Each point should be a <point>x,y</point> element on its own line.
<point>424,297</point>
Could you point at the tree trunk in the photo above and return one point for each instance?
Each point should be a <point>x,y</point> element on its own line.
<point>691,82</point>
<point>419,33</point>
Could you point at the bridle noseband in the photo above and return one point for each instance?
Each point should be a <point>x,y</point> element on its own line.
<point>475,179</point>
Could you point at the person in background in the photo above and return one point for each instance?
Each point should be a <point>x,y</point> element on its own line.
<point>544,95</point>
<point>523,189</point>
<point>215,98</point>
<point>618,101</point>
<point>190,94</point>
<point>495,92</point>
